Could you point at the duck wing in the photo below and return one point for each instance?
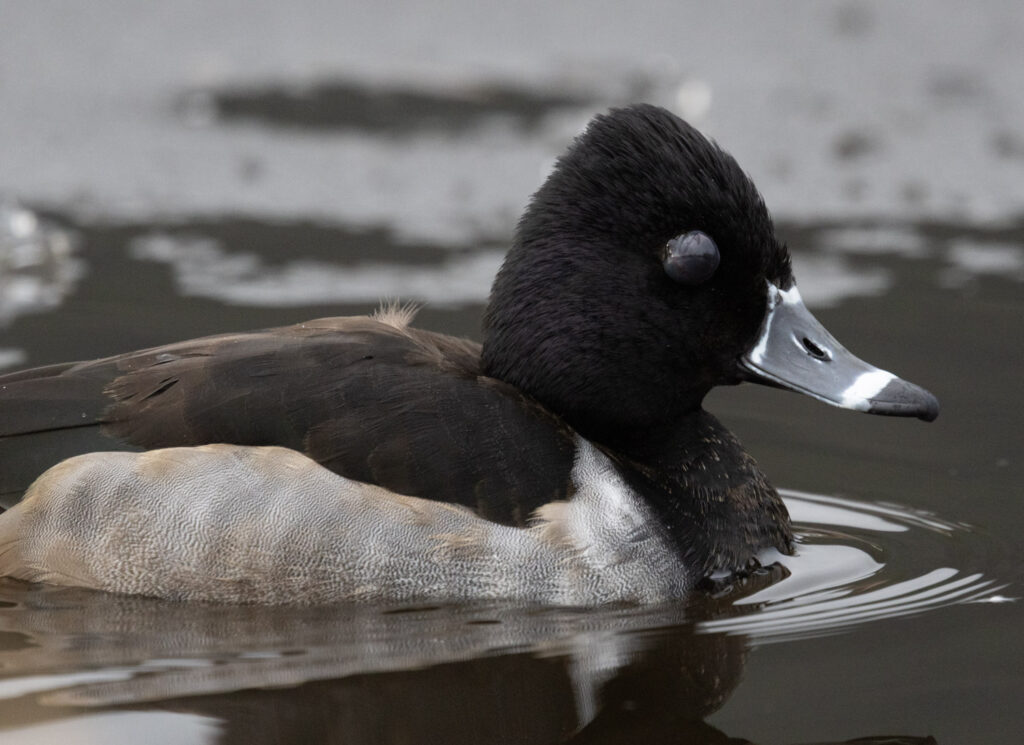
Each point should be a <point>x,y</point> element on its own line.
<point>372,399</point>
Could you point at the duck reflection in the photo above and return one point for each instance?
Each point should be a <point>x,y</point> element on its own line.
<point>468,674</point>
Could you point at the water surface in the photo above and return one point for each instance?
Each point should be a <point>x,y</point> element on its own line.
<point>261,178</point>
<point>903,594</point>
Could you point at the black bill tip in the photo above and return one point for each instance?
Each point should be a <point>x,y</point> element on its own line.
<point>901,398</point>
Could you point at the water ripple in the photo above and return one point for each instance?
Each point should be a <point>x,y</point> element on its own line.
<point>847,572</point>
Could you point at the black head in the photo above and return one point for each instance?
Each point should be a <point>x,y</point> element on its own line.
<point>610,308</point>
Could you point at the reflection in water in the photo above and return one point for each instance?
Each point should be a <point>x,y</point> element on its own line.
<point>831,279</point>
<point>826,613</point>
<point>203,268</point>
<point>475,673</point>
<point>843,577</point>
<point>970,258</point>
<point>261,264</point>
<point>467,674</point>
<point>882,240</point>
<point>319,263</point>
<point>124,727</point>
<point>37,268</point>
<point>453,675</point>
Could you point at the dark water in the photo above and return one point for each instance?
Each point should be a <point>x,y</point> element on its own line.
<point>899,616</point>
<point>307,159</point>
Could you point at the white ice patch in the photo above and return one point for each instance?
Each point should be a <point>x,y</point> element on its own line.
<point>867,385</point>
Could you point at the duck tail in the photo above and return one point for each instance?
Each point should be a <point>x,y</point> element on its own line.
<point>48,414</point>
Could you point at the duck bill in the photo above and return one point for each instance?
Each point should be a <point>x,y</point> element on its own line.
<point>796,352</point>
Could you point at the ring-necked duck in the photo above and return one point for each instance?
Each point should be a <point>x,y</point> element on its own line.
<point>567,460</point>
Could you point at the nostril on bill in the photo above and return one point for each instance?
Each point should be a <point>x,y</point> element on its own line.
<point>814,350</point>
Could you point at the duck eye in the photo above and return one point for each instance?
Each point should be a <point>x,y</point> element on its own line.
<point>691,258</point>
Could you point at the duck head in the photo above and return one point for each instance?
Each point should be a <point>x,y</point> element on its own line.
<point>646,271</point>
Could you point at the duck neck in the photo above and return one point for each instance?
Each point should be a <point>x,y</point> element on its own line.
<point>716,506</point>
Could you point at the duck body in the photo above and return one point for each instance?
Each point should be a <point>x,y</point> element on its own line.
<point>568,460</point>
<point>559,522</point>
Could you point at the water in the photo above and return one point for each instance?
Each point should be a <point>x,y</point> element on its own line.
<point>251,179</point>
<point>110,669</point>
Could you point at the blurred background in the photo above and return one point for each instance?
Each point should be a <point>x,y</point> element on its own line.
<point>177,169</point>
<point>290,154</point>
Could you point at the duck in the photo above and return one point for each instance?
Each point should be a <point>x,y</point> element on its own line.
<point>566,460</point>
